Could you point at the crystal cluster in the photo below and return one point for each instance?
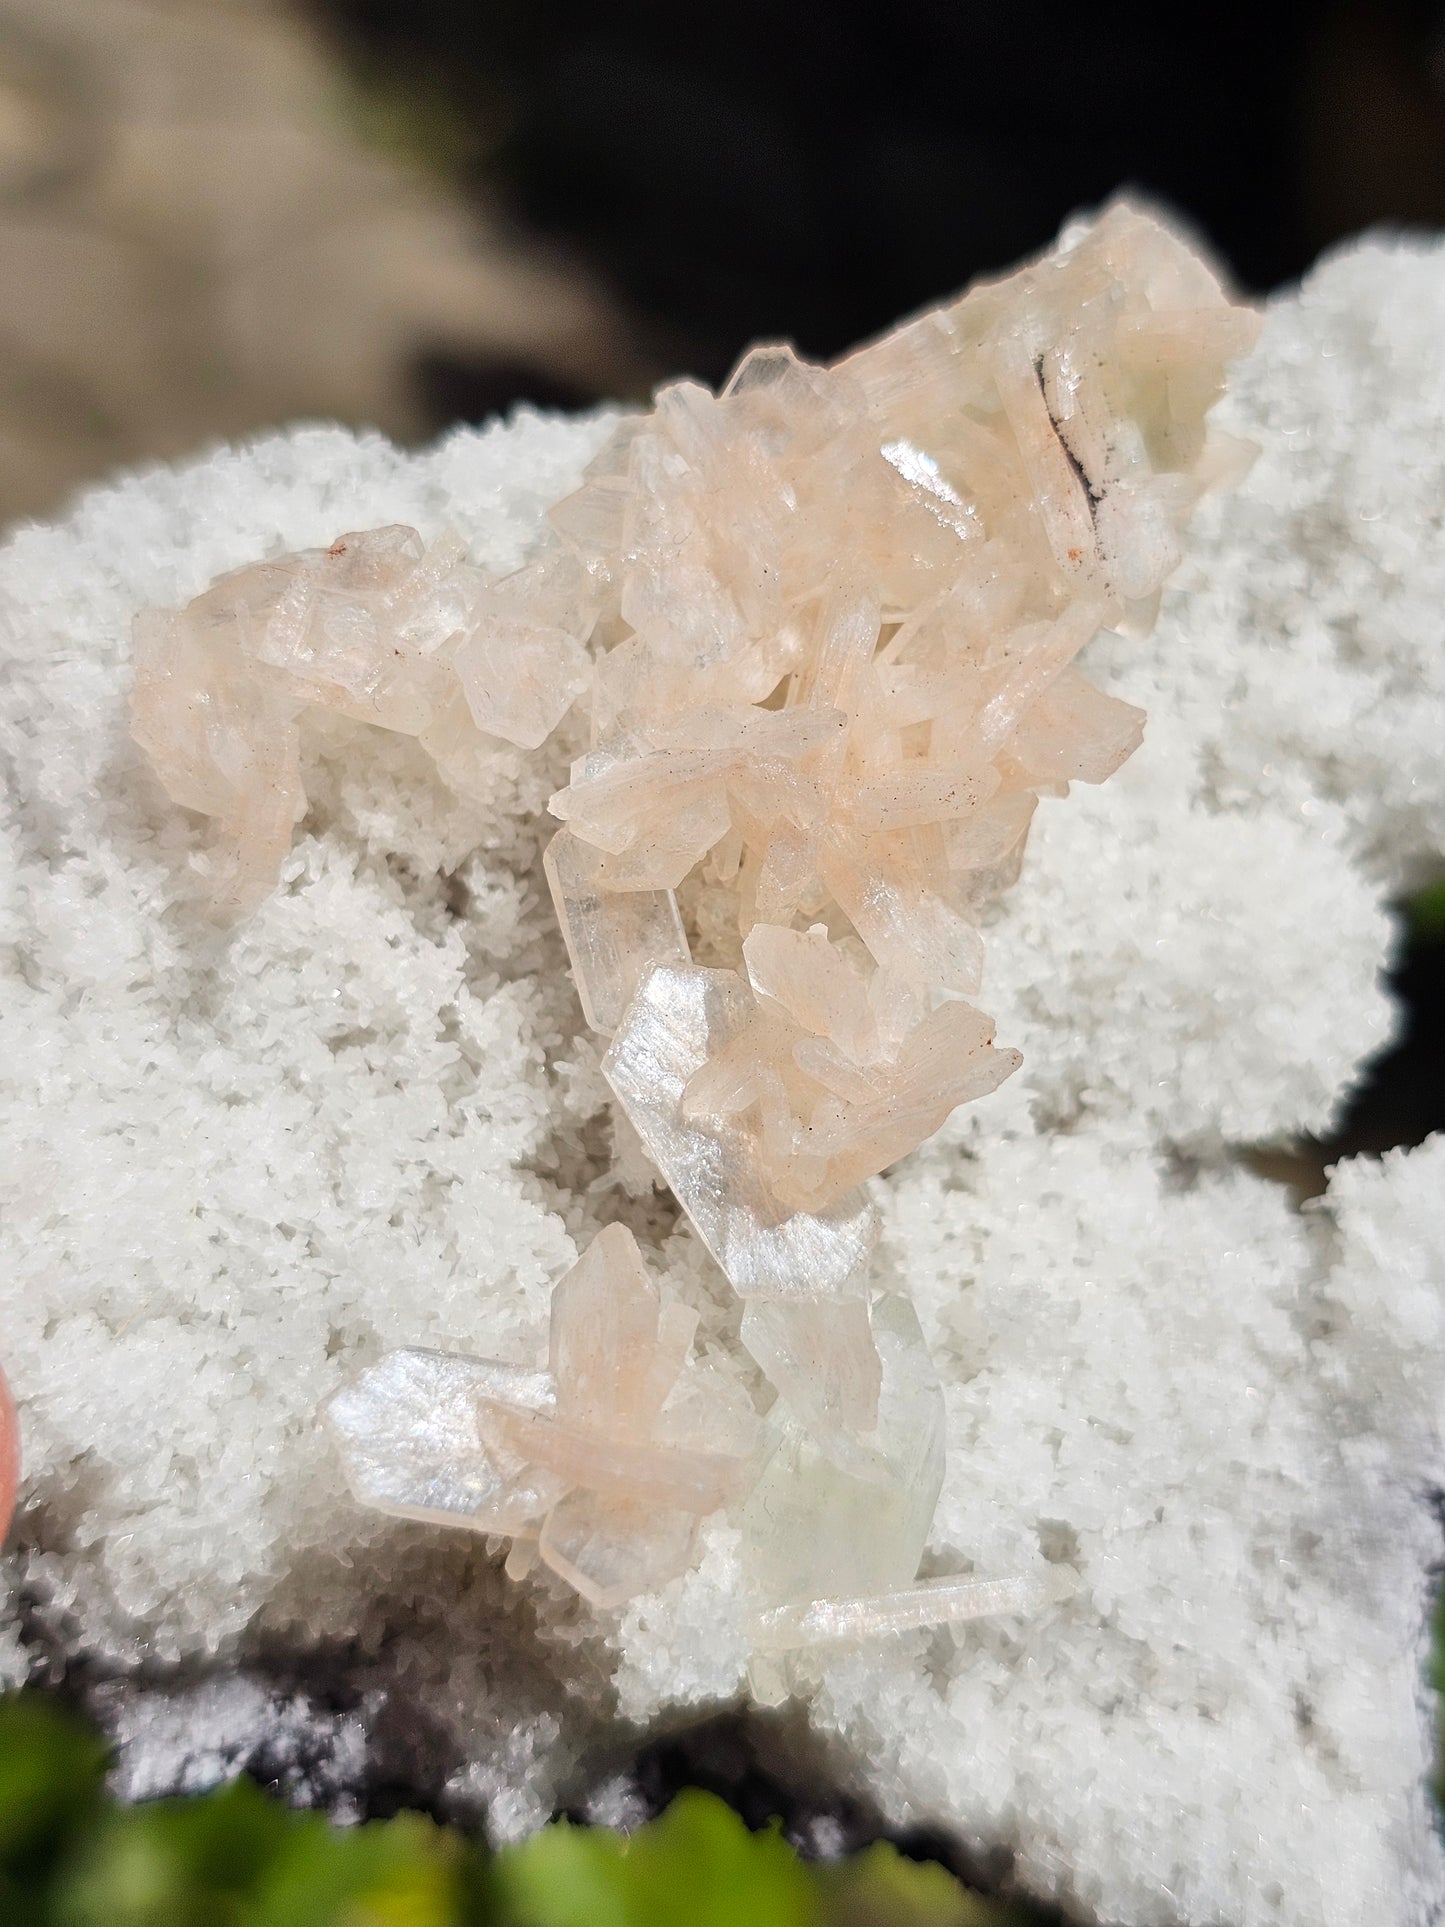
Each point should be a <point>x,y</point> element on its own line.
<point>836,613</point>
<point>602,1465</point>
<point>819,635</point>
<point>377,628</point>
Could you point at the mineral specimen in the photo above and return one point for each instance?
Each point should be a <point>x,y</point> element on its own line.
<point>821,631</point>
<point>238,1171</point>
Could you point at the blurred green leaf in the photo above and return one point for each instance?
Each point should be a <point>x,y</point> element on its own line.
<point>236,1856</point>
<point>562,1877</point>
<point>51,1773</point>
<point>880,1888</point>
<point>1425,914</point>
<point>697,1863</point>
<point>172,1863</point>
<point>405,1872</point>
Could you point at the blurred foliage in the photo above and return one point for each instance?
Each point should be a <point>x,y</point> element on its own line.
<point>71,1857</point>
<point>1425,915</point>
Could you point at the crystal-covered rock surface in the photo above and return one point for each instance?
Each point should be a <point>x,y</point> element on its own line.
<point>822,626</point>
<point>810,646</point>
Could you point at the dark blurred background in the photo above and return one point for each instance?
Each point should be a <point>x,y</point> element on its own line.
<point>734,168</point>
<point>219,214</point>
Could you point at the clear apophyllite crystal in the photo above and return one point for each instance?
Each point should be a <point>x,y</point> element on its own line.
<point>852,1516</point>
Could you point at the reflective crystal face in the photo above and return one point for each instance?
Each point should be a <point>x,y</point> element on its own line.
<point>679,1020</point>
<point>413,1442</point>
<point>613,937</point>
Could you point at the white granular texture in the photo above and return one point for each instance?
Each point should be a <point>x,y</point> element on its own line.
<point>238,1166</point>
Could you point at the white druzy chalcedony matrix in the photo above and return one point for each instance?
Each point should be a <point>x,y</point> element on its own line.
<point>821,630</point>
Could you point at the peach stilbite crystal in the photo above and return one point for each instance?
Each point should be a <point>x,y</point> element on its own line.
<point>605,1463</point>
<point>378,628</point>
<point>824,624</point>
<point>842,608</point>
